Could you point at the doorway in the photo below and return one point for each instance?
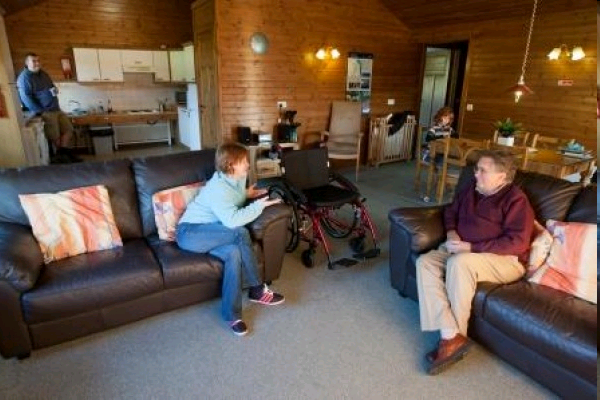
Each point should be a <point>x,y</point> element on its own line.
<point>443,77</point>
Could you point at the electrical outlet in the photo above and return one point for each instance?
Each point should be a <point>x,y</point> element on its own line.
<point>391,102</point>
<point>469,107</point>
<point>282,104</point>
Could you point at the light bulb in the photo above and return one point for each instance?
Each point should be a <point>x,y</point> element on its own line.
<point>577,53</point>
<point>321,54</point>
<point>335,54</point>
<point>554,54</point>
<point>518,94</point>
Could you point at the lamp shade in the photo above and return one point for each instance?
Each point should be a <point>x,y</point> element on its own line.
<point>520,89</point>
<point>577,53</point>
<point>321,54</point>
<point>554,54</point>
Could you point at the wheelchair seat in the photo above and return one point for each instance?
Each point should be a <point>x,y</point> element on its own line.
<point>329,196</point>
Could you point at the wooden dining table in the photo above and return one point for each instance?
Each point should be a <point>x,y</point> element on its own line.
<point>552,162</point>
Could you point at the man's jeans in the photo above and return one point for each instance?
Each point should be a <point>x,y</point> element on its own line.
<point>234,248</point>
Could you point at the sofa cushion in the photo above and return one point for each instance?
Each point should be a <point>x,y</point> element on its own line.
<point>584,206</point>
<point>153,174</point>
<point>570,265</point>
<point>92,281</point>
<point>168,206</point>
<point>556,325</point>
<point>72,222</point>
<point>115,175</point>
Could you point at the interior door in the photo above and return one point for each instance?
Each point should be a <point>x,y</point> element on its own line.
<point>210,115</point>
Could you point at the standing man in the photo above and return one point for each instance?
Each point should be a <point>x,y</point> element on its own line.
<point>489,228</point>
<point>39,95</point>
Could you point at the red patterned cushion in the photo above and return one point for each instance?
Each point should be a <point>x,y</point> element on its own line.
<point>540,248</point>
<point>168,206</point>
<point>571,264</point>
<point>72,222</point>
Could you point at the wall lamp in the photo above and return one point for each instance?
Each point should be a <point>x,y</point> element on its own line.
<point>563,52</point>
<point>329,52</point>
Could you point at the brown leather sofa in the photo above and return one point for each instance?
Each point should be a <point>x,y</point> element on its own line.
<point>42,305</point>
<point>548,334</point>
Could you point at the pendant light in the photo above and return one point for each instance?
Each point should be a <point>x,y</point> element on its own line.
<point>521,88</point>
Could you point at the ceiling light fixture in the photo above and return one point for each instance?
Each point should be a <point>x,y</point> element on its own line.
<point>521,88</point>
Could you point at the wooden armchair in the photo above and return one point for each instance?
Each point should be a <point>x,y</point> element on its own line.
<point>546,142</point>
<point>521,154</point>
<point>343,139</point>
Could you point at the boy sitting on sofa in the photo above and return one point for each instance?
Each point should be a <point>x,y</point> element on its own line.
<point>489,227</point>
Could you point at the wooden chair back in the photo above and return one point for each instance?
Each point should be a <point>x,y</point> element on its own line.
<point>458,153</point>
<point>521,153</point>
<point>546,142</point>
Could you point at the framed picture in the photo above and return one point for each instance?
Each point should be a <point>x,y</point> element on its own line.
<point>358,82</point>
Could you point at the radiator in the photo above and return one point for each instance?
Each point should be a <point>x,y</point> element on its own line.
<point>384,147</point>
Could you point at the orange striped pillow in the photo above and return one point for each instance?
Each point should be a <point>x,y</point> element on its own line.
<point>168,206</point>
<point>72,222</point>
<point>571,264</point>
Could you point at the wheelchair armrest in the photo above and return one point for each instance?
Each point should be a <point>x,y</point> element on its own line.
<point>424,224</point>
<point>342,180</point>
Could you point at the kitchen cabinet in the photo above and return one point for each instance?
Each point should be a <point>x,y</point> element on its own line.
<point>110,65</point>
<point>87,65</point>
<point>188,61</point>
<point>176,62</point>
<point>160,66</point>
<point>98,65</point>
<point>137,60</point>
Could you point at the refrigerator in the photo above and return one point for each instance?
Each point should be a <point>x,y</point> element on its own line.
<point>189,119</point>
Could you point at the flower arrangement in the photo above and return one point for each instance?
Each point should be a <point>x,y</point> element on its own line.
<point>507,127</point>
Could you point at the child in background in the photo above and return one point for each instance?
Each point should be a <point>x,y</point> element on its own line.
<point>442,128</point>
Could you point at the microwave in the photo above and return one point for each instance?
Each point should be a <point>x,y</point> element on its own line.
<point>181,97</point>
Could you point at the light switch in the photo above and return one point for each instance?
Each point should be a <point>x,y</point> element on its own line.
<point>282,104</point>
<point>469,107</point>
<point>391,102</point>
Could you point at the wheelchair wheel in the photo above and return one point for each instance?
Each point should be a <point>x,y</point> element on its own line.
<point>339,222</point>
<point>293,236</point>
<point>308,258</point>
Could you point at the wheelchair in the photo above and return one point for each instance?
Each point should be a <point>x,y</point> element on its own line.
<point>323,202</point>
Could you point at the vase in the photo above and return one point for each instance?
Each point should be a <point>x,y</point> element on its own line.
<point>506,141</point>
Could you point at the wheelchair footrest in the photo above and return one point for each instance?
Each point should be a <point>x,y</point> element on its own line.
<point>343,262</point>
<point>371,253</point>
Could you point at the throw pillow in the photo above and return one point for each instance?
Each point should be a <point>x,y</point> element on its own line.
<point>540,248</point>
<point>169,205</point>
<point>571,264</point>
<point>72,222</point>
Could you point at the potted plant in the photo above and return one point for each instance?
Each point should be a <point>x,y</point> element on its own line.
<point>506,131</point>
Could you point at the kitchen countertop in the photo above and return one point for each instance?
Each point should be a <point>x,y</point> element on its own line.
<point>123,117</point>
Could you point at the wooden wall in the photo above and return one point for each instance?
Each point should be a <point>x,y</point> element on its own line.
<point>495,57</point>
<point>252,84</point>
<point>53,27</point>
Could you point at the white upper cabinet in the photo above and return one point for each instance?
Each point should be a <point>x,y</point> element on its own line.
<point>87,65</point>
<point>177,65</point>
<point>111,69</point>
<point>188,59</point>
<point>160,66</point>
<point>137,60</point>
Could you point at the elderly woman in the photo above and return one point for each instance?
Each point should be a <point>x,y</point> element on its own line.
<point>214,223</point>
<point>489,228</point>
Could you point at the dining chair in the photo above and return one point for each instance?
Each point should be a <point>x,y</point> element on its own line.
<point>458,153</point>
<point>521,138</point>
<point>520,153</point>
<point>421,162</point>
<point>546,142</point>
<point>343,139</point>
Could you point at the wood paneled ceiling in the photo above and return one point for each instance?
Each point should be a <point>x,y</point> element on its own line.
<point>423,14</point>
<point>12,6</point>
